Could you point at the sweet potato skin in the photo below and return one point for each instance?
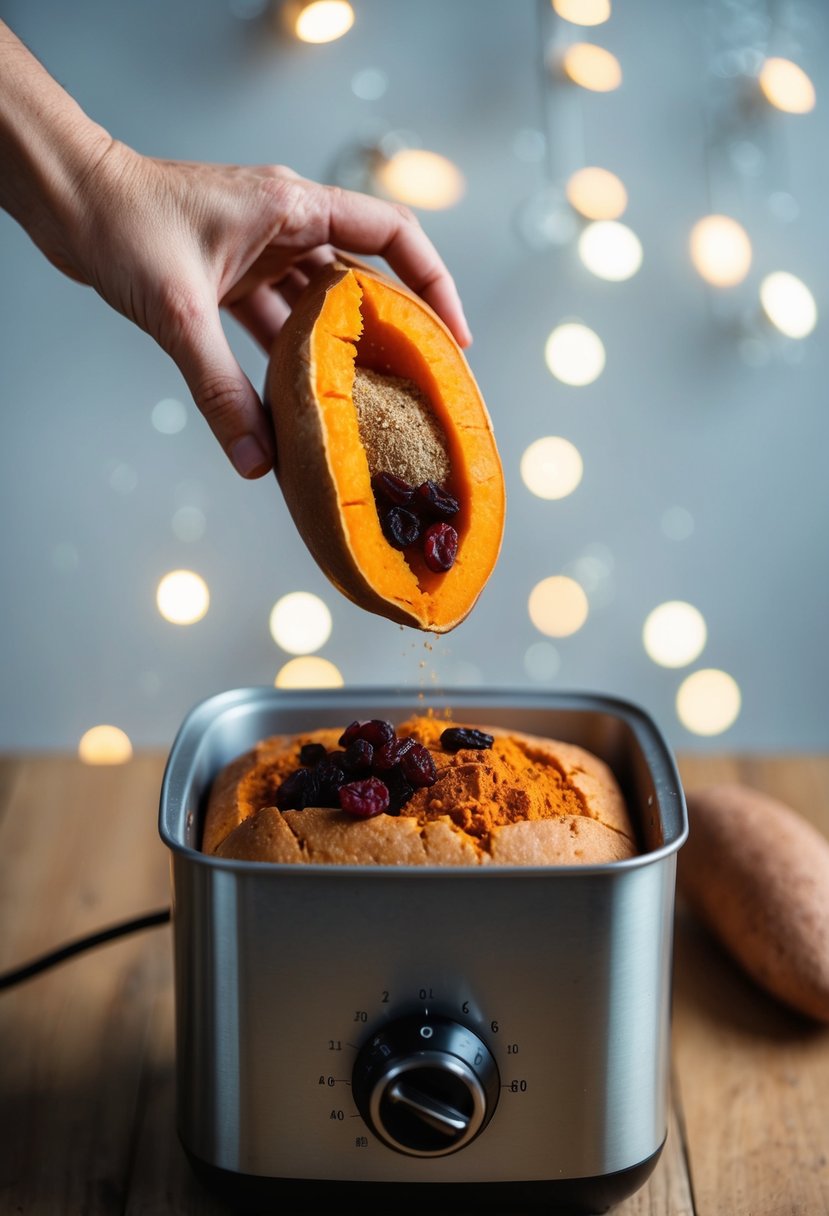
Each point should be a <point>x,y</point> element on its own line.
<point>305,460</point>
<point>756,873</point>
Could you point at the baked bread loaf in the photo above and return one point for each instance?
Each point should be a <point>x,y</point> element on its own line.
<point>428,792</point>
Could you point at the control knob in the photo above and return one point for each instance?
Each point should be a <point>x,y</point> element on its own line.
<point>426,1085</point>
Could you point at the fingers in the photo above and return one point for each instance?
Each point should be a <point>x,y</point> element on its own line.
<point>223,393</point>
<point>263,313</point>
<point>362,224</point>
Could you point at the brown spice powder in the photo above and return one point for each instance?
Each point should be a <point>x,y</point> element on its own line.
<point>398,429</point>
<point>482,790</point>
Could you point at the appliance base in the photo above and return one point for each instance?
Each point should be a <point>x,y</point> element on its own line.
<point>250,1195</point>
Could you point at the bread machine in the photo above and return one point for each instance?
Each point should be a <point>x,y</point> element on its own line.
<point>442,1039</point>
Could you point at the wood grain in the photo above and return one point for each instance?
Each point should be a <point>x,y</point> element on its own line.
<point>86,1071</point>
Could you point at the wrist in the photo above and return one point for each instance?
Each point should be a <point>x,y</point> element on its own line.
<point>49,150</point>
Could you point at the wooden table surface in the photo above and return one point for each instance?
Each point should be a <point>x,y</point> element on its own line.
<point>86,1049</point>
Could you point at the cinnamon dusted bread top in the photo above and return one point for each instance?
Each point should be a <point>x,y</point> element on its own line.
<point>428,792</point>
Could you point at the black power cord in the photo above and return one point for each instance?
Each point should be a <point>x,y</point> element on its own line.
<point>149,921</point>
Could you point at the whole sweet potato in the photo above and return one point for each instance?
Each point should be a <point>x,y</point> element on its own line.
<point>757,874</point>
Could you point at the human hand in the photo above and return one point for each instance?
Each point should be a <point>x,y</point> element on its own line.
<point>169,243</point>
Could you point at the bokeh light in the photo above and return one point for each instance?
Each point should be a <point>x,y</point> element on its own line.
<point>674,634</point>
<point>720,250</point>
<point>369,84</point>
<point>541,662</point>
<point>574,354</point>
<point>309,671</point>
<point>610,250</point>
<point>708,702</point>
<point>421,179</point>
<point>169,416</point>
<point>788,304</point>
<point>188,524</point>
<point>105,745</point>
<point>322,20</point>
<point>583,12</point>
<point>558,606</point>
<point>300,622</point>
<point>592,67</point>
<point>786,86</point>
<point>551,467</point>
<point>597,194</point>
<point>182,597</point>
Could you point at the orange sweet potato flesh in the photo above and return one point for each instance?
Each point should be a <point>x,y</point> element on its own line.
<point>348,316</point>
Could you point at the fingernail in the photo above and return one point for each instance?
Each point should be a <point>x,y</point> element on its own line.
<point>248,458</point>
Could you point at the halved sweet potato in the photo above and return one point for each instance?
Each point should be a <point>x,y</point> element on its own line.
<point>353,316</point>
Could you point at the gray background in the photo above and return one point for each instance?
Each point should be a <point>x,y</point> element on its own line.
<point>699,406</point>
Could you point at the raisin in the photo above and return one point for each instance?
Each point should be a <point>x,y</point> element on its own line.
<point>364,799</point>
<point>418,767</point>
<point>328,776</point>
<point>393,490</point>
<point>456,737</point>
<point>291,795</point>
<point>399,790</point>
<point>311,754</point>
<point>358,757</point>
<point>401,527</point>
<point>440,547</point>
<point>432,500</point>
<point>392,753</point>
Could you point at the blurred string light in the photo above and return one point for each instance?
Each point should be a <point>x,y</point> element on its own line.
<point>786,86</point>
<point>610,250</point>
<point>596,193</point>
<point>309,671</point>
<point>182,597</point>
<point>720,250</point>
<point>575,354</point>
<point>105,745</point>
<point>391,165</point>
<point>591,67</point>
<point>583,12</point>
<point>420,178</point>
<point>558,606</point>
<point>708,702</point>
<point>300,622</point>
<point>551,467</point>
<point>674,634</point>
<point>318,21</point>
<point>788,304</point>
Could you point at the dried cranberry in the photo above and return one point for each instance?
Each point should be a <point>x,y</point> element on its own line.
<point>364,799</point>
<point>311,754</point>
<point>418,767</point>
<point>392,489</point>
<point>432,500</point>
<point>352,732</point>
<point>392,753</point>
<point>375,731</point>
<point>440,547</point>
<point>456,737</point>
<point>358,757</point>
<point>291,795</point>
<point>401,527</point>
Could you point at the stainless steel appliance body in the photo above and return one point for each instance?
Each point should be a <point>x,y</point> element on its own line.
<point>305,995</point>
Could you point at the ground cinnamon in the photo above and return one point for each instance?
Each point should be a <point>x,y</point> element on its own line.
<point>398,428</point>
<point>482,790</point>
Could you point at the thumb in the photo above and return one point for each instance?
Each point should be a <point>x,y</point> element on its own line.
<point>223,393</point>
